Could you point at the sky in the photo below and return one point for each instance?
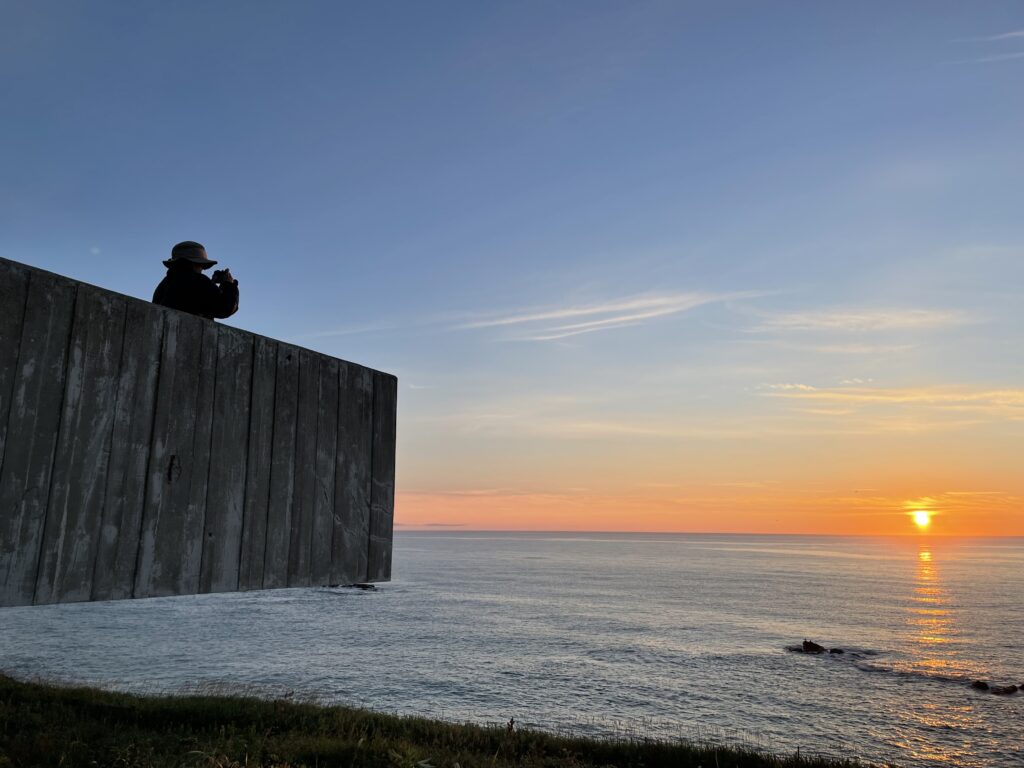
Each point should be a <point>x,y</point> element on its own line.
<point>648,266</point>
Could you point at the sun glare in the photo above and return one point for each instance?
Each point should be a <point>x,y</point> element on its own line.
<point>922,518</point>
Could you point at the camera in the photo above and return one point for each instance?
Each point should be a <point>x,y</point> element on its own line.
<point>218,276</point>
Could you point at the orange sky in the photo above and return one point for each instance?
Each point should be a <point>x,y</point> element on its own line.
<point>758,463</point>
<point>965,514</point>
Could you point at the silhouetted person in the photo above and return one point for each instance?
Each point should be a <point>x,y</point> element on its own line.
<point>186,287</point>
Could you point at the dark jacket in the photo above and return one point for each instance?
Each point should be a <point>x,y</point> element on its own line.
<point>195,293</point>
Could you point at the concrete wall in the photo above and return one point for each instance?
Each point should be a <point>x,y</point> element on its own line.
<point>145,452</point>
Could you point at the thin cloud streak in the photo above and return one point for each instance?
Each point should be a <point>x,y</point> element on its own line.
<point>624,305</point>
<point>1011,397</point>
<point>598,324</point>
<point>1016,34</point>
<point>839,348</point>
<point>608,323</point>
<point>622,313</point>
<point>552,426</point>
<point>1004,405</point>
<point>565,334</point>
<point>862,349</point>
<point>855,320</point>
<point>1000,57</point>
<point>786,387</point>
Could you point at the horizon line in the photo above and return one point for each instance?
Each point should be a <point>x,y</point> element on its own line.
<point>400,528</point>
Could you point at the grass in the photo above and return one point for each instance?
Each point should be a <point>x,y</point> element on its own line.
<point>48,725</point>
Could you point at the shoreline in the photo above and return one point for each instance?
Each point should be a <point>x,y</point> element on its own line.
<point>49,724</point>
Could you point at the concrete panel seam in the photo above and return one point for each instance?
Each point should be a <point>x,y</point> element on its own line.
<point>311,513</point>
<point>53,452</point>
<point>110,443</point>
<point>245,477</point>
<point>14,379</point>
<point>209,448</point>
<point>273,423</point>
<point>370,493</point>
<point>152,438</point>
<point>110,449</point>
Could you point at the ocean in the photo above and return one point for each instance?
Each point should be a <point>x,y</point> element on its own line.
<point>645,635</point>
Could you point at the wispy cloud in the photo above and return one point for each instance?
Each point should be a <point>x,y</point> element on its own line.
<point>1012,36</point>
<point>1001,57</point>
<point>551,323</point>
<point>574,422</point>
<point>988,404</point>
<point>860,320</point>
<point>544,325</point>
<point>554,334</point>
<point>931,396</point>
<point>838,348</point>
<point>964,501</point>
<point>1017,34</point>
<point>622,305</point>
<point>826,411</point>
<point>791,387</point>
<point>862,349</point>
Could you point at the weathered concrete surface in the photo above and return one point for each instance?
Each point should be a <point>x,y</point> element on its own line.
<point>148,452</point>
<point>382,496</point>
<point>351,524</point>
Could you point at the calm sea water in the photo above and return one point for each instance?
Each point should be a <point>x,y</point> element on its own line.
<point>658,635</point>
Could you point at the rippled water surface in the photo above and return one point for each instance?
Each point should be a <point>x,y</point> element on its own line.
<point>666,635</point>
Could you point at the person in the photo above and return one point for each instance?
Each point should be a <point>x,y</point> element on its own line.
<point>185,287</point>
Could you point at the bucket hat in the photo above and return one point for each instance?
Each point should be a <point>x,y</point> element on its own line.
<point>189,250</point>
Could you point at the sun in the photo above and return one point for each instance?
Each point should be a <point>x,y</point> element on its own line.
<point>922,518</point>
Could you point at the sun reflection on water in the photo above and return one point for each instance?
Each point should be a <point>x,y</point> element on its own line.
<point>935,651</point>
<point>930,618</point>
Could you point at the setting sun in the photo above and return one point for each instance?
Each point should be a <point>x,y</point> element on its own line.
<point>922,518</point>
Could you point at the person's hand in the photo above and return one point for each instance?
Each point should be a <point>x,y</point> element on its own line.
<point>226,276</point>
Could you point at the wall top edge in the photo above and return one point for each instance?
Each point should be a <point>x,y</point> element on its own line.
<point>31,269</point>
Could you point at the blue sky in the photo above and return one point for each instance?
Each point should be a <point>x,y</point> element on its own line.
<point>604,245</point>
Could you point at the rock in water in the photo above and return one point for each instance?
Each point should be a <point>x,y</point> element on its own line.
<point>979,685</point>
<point>812,647</point>
<point>836,650</point>
<point>1003,690</point>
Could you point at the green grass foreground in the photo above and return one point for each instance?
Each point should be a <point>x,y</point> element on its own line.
<point>47,725</point>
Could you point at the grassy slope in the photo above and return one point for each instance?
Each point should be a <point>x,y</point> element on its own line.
<point>42,725</point>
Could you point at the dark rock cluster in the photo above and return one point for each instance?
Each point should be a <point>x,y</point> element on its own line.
<point>998,690</point>
<point>809,646</point>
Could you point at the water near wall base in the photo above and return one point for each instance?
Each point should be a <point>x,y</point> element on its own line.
<point>146,452</point>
